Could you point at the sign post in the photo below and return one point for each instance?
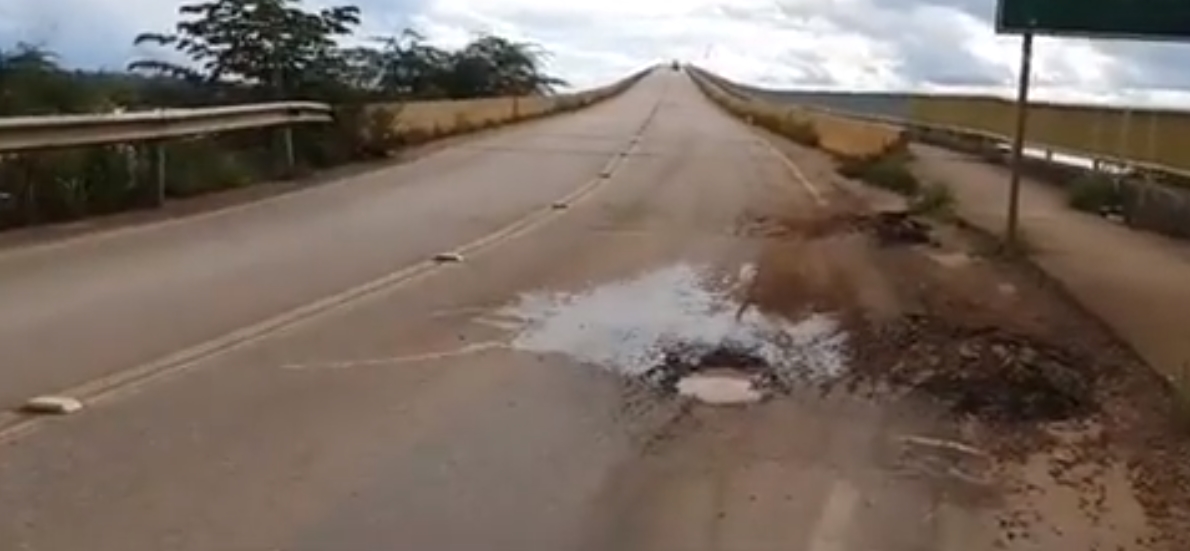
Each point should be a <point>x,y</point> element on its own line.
<point>1119,19</point>
<point>1018,138</point>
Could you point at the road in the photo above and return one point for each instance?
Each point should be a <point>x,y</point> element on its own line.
<point>294,374</point>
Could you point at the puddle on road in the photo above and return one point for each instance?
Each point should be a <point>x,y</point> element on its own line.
<point>720,388</point>
<point>676,322</point>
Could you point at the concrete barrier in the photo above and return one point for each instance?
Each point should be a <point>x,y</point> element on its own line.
<point>422,120</point>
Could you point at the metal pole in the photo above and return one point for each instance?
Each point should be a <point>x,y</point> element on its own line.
<point>1018,140</point>
<point>1151,139</point>
<point>1123,152</point>
<point>290,156</point>
<point>1125,133</point>
<point>159,165</point>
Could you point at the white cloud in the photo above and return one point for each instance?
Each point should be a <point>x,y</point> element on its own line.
<point>838,44</point>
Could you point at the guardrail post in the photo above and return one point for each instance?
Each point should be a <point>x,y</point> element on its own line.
<point>290,154</point>
<point>159,169</point>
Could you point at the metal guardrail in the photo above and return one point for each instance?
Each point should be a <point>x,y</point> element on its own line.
<point>996,139</point>
<point>53,132</point>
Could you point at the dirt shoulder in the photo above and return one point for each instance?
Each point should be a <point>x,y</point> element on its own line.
<point>1135,282</point>
<point>1052,433</point>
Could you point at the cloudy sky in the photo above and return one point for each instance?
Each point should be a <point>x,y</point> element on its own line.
<point>836,44</point>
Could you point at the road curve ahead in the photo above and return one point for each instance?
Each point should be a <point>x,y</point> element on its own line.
<point>492,403</point>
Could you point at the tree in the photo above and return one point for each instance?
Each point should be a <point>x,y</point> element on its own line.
<point>31,83</point>
<point>412,68</point>
<point>488,66</point>
<point>273,46</point>
<point>499,66</point>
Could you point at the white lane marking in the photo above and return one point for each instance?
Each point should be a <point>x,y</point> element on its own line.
<point>502,323</point>
<point>448,257</point>
<point>14,426</point>
<point>269,201</point>
<point>460,311</point>
<point>121,383</point>
<point>796,172</point>
<point>474,348</point>
<point>52,405</point>
<point>831,532</point>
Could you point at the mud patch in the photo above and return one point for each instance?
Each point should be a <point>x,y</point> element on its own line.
<point>888,228</point>
<point>989,373</point>
<point>677,321</point>
<point>895,228</point>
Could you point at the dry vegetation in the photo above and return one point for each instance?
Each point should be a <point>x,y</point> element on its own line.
<point>873,153</point>
<point>838,136</point>
<point>422,121</point>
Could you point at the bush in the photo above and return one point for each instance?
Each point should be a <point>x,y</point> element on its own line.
<point>801,132</point>
<point>934,199</point>
<point>885,170</point>
<point>381,136</point>
<point>198,166</point>
<point>1094,193</point>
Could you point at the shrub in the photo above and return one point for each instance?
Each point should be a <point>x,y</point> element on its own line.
<point>934,199</point>
<point>801,132</point>
<point>1094,193</point>
<point>415,136</point>
<point>381,137</point>
<point>885,170</point>
<point>892,174</point>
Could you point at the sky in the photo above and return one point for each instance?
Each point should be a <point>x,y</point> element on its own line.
<point>887,45</point>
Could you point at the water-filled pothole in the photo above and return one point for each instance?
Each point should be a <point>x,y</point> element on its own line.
<point>723,374</point>
<point>676,322</point>
<point>720,388</point>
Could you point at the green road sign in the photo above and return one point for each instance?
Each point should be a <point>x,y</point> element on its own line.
<point>1135,19</point>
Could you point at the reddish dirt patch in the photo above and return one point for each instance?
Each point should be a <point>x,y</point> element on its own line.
<point>939,324</point>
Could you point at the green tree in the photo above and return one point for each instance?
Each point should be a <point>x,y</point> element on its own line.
<point>32,83</point>
<point>495,66</point>
<point>274,47</point>
<point>413,69</point>
<point>487,66</point>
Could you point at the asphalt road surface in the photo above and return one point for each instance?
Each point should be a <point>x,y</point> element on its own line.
<point>297,374</point>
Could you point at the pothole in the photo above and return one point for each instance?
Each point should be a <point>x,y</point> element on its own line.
<point>719,375</point>
<point>682,322</point>
<point>988,373</point>
<point>720,388</point>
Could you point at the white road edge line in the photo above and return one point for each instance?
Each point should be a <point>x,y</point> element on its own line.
<point>467,350</point>
<point>830,534</point>
<point>797,172</point>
